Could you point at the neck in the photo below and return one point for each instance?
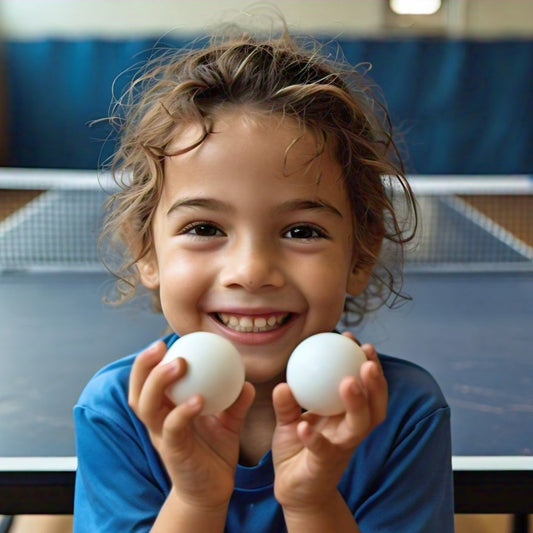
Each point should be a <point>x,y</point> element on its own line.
<point>258,428</point>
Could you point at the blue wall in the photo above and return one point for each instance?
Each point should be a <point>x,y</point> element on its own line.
<point>465,106</point>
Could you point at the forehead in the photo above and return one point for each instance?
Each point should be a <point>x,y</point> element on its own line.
<point>241,118</point>
<point>253,165</point>
<point>286,146</point>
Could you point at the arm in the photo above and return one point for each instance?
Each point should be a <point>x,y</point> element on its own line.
<point>410,489</point>
<point>200,453</point>
<point>177,515</point>
<point>311,452</point>
<point>122,484</point>
<point>415,489</point>
<point>116,489</point>
<point>333,516</point>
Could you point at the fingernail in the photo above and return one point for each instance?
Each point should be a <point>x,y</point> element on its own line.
<point>154,345</point>
<point>375,372</point>
<point>152,349</point>
<point>194,401</point>
<point>172,366</point>
<point>356,388</point>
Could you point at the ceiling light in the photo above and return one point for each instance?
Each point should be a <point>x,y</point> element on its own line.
<point>415,7</point>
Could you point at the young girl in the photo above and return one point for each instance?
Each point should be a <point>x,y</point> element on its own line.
<point>253,200</point>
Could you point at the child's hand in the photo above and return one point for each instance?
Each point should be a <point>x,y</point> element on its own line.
<point>200,453</point>
<point>310,452</point>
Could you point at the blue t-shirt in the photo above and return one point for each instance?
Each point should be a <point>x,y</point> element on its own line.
<point>398,480</point>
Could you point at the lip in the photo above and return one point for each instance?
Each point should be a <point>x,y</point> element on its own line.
<point>253,338</point>
<point>254,321</point>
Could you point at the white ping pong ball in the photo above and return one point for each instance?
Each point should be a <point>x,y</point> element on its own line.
<point>214,370</point>
<point>317,366</point>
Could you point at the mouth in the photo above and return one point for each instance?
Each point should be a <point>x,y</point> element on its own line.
<point>253,324</point>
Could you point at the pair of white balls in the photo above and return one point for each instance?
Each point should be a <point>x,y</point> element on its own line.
<point>314,371</point>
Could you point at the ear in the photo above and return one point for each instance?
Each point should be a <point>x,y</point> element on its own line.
<point>358,280</point>
<point>149,272</point>
<point>361,271</point>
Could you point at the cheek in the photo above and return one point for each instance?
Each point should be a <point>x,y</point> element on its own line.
<point>325,286</point>
<point>177,276</point>
<point>182,284</point>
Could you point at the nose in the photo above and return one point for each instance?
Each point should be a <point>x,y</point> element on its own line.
<point>252,265</point>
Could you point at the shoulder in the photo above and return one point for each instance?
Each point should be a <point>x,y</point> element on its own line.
<point>416,404</point>
<point>401,473</point>
<point>411,384</point>
<point>110,439</point>
<point>109,386</point>
<point>109,380</point>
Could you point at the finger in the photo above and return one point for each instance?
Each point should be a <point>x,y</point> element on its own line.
<point>312,439</point>
<point>376,388</point>
<point>154,403</point>
<point>369,349</point>
<point>350,335</point>
<point>357,420</point>
<point>372,355</point>
<point>313,418</point>
<point>142,366</point>
<point>243,402</point>
<point>374,381</point>
<point>352,393</point>
<point>180,418</point>
<point>285,406</point>
<point>233,417</point>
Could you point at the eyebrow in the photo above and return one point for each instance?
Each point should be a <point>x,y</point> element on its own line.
<point>290,205</point>
<point>207,203</point>
<point>302,205</point>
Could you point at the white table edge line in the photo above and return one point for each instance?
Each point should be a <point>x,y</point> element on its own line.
<point>492,463</point>
<point>38,464</point>
<point>459,463</point>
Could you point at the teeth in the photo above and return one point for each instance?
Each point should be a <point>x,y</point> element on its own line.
<point>252,325</point>
<point>260,322</point>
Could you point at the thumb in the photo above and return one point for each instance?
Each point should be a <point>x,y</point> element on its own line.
<point>285,405</point>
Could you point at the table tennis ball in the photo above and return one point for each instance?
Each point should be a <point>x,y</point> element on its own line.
<point>214,370</point>
<point>317,366</point>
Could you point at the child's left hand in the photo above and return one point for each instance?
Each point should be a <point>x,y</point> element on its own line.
<point>310,452</point>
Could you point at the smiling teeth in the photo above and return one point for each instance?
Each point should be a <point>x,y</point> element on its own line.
<point>252,325</point>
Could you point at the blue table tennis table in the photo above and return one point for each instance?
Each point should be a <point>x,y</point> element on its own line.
<point>472,331</point>
<point>471,328</point>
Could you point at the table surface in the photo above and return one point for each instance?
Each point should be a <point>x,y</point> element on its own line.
<point>473,332</point>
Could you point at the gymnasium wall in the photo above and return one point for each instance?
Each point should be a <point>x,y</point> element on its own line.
<point>461,102</point>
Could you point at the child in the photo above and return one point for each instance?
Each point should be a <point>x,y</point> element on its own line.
<point>252,201</point>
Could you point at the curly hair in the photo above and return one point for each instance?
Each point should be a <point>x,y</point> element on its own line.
<point>274,75</point>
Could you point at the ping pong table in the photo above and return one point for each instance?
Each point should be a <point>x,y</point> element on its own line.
<point>472,330</point>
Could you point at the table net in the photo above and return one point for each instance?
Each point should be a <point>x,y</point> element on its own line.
<point>51,219</point>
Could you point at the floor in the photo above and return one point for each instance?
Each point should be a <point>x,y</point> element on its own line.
<point>463,524</point>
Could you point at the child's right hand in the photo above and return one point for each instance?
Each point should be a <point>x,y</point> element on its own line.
<point>200,453</point>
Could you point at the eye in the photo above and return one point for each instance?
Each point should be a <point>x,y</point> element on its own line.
<point>304,232</point>
<point>202,229</point>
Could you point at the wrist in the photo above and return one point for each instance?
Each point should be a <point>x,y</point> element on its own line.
<point>306,499</point>
<point>185,514</point>
<point>329,514</point>
<point>198,508</point>
<point>294,511</point>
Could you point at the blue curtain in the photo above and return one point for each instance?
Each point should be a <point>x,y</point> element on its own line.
<point>462,106</point>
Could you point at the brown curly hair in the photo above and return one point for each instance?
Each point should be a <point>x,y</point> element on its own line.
<point>275,75</point>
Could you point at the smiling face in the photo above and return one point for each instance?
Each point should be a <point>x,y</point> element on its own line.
<point>249,243</point>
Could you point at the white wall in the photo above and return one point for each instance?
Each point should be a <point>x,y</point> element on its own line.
<point>25,19</point>
<point>502,16</point>
<point>32,18</point>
